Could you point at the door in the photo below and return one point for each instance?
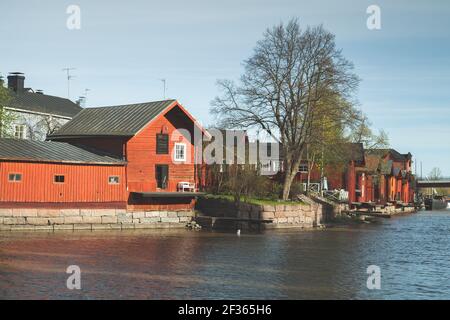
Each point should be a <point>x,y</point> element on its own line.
<point>162,176</point>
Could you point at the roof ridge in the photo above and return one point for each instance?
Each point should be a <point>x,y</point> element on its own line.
<point>130,104</point>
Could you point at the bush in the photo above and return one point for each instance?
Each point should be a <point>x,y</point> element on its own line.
<point>296,189</point>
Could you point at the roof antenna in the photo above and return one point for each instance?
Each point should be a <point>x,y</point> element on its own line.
<point>164,84</point>
<point>69,77</point>
<point>85,95</point>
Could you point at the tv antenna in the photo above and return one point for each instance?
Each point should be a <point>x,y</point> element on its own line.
<point>85,95</point>
<point>69,77</point>
<point>164,86</point>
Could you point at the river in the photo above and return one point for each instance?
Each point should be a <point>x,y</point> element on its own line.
<point>413,253</point>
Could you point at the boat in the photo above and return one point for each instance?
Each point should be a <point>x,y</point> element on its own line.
<point>435,203</point>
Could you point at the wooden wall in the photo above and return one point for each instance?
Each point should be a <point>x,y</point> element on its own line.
<point>83,183</point>
<point>142,157</point>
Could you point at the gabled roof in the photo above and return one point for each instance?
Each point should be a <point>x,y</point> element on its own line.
<point>352,151</point>
<point>386,167</point>
<point>344,152</point>
<point>121,120</point>
<point>43,103</point>
<point>49,151</point>
<point>395,155</point>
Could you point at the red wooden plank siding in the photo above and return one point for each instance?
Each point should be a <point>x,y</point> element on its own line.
<point>83,183</point>
<point>142,157</point>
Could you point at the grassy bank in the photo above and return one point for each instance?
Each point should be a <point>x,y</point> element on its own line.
<point>255,201</point>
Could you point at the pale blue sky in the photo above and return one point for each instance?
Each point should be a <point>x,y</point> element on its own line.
<point>123,48</point>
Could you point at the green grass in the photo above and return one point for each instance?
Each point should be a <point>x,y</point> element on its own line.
<point>255,201</point>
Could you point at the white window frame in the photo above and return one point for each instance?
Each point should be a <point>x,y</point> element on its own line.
<point>301,168</point>
<point>175,158</point>
<point>113,177</point>
<point>22,132</point>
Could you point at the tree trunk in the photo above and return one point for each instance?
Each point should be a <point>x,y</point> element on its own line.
<point>288,179</point>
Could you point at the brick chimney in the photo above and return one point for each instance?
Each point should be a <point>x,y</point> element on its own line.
<point>16,81</point>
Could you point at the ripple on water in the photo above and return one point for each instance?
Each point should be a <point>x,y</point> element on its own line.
<point>412,252</point>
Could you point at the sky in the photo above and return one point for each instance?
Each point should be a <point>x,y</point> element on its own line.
<point>123,49</point>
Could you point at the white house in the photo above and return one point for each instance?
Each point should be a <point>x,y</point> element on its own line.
<point>36,114</point>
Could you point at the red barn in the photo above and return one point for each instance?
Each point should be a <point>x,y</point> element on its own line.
<point>152,144</point>
<point>45,174</point>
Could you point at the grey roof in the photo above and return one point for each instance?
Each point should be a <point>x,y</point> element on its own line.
<point>49,151</point>
<point>123,120</point>
<point>44,103</point>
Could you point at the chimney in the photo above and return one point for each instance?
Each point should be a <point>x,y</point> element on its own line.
<point>16,81</point>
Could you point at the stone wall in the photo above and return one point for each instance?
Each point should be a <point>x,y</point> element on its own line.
<point>90,219</point>
<point>222,213</point>
<point>284,215</point>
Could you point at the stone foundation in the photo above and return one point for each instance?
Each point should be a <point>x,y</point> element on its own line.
<point>283,216</point>
<point>90,219</point>
<point>223,214</point>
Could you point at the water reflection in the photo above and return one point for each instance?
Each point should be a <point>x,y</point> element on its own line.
<point>412,251</point>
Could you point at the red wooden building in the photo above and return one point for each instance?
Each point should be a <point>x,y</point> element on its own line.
<point>152,145</point>
<point>45,174</point>
<point>378,175</point>
<point>390,176</point>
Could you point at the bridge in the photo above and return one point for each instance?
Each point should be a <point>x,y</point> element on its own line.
<point>433,183</point>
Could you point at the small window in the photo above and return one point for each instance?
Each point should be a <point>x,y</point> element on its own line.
<point>113,180</point>
<point>162,143</point>
<point>303,168</point>
<point>19,131</point>
<point>180,152</point>
<point>59,179</point>
<point>269,149</point>
<point>15,177</point>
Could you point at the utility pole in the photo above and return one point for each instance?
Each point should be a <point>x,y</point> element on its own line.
<point>164,84</point>
<point>69,77</point>
<point>421,176</point>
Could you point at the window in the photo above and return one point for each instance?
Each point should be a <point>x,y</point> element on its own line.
<point>162,143</point>
<point>15,177</point>
<point>162,175</point>
<point>19,131</point>
<point>59,179</point>
<point>269,149</point>
<point>303,168</point>
<point>180,152</point>
<point>113,180</point>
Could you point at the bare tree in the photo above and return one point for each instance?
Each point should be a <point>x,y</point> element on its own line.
<point>291,72</point>
<point>362,133</point>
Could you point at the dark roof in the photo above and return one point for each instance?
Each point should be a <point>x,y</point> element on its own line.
<point>123,120</point>
<point>386,167</point>
<point>343,152</point>
<point>49,151</point>
<point>37,102</point>
<point>349,152</point>
<point>396,156</point>
<point>355,151</point>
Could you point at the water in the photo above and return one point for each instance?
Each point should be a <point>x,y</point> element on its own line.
<point>412,251</point>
